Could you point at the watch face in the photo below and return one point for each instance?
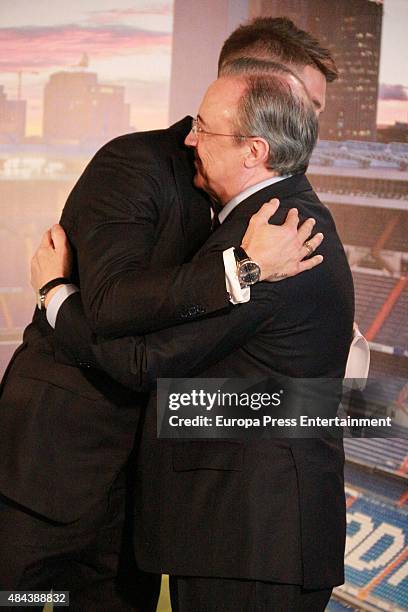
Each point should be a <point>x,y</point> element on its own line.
<point>249,273</point>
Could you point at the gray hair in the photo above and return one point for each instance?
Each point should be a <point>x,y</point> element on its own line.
<point>275,106</point>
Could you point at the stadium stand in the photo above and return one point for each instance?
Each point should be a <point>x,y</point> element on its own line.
<point>376,553</point>
<point>361,154</point>
<point>384,453</point>
<point>380,399</point>
<point>365,186</point>
<point>395,327</point>
<point>375,482</point>
<point>371,292</point>
<point>362,226</point>
<point>383,364</point>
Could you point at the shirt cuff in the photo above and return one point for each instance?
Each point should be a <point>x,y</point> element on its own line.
<point>358,362</point>
<point>234,289</point>
<point>57,300</point>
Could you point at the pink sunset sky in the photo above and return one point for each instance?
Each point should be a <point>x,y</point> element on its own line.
<point>129,43</point>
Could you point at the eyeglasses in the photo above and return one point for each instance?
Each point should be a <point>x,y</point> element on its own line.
<point>197,129</point>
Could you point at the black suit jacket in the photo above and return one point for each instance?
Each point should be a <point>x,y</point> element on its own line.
<point>133,219</point>
<point>266,510</point>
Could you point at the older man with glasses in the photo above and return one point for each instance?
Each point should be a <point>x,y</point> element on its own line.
<point>243,525</point>
<point>66,432</point>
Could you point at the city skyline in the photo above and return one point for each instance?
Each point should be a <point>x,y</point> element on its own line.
<point>129,44</point>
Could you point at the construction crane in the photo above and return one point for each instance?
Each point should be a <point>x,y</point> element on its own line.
<point>83,62</point>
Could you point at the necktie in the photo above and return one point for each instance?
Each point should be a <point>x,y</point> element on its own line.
<point>215,222</point>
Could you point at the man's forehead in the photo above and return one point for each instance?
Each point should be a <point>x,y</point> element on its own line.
<point>227,87</point>
<point>222,94</point>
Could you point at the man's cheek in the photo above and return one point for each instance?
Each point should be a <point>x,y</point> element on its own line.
<point>201,165</point>
<point>198,180</point>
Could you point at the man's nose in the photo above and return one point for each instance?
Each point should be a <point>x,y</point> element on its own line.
<point>191,139</point>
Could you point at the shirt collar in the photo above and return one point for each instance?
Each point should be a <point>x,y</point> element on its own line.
<point>223,214</point>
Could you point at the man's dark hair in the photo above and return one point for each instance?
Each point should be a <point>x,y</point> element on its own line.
<point>278,39</point>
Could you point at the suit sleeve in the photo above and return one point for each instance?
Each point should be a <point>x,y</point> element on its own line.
<point>114,232</point>
<point>181,351</point>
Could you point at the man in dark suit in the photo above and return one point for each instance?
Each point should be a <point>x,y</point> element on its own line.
<point>64,441</point>
<point>259,525</point>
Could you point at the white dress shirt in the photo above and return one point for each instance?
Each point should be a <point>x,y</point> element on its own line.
<point>358,362</point>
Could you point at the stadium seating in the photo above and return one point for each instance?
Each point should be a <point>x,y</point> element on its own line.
<point>375,483</point>
<point>362,226</point>
<point>376,553</point>
<point>370,293</point>
<point>378,452</point>
<point>383,364</point>
<point>395,329</point>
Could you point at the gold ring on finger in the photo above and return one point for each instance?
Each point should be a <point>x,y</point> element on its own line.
<point>308,246</point>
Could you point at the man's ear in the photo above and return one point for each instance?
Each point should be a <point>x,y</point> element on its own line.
<point>257,152</point>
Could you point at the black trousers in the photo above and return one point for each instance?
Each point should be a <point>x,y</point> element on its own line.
<point>221,595</point>
<point>91,557</point>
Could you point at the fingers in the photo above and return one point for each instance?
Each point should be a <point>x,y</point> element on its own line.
<point>46,240</point>
<point>266,211</point>
<point>312,244</point>
<point>59,237</point>
<point>292,219</point>
<point>306,229</point>
<point>308,264</point>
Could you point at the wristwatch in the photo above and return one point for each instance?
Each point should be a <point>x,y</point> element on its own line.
<point>248,271</point>
<point>42,293</point>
